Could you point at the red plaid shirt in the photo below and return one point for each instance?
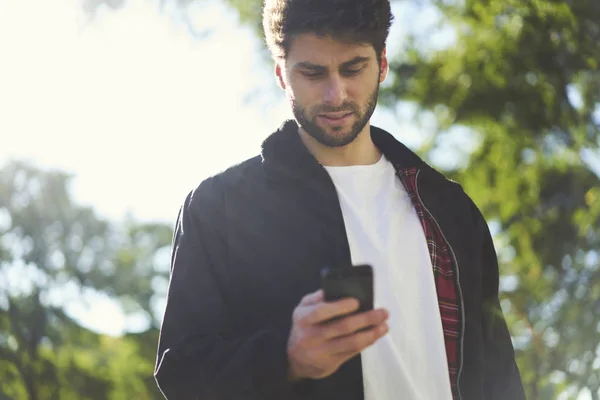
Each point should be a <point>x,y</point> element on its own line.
<point>444,275</point>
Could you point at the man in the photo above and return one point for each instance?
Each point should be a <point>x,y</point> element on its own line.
<point>245,316</point>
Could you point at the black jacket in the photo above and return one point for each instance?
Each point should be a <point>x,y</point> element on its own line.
<point>250,243</point>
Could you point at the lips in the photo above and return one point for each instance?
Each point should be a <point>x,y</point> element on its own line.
<point>335,119</point>
<point>336,116</point>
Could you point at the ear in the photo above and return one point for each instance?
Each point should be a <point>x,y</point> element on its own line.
<point>279,75</point>
<point>384,66</point>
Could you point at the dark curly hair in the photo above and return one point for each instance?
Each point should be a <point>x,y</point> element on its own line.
<point>352,21</point>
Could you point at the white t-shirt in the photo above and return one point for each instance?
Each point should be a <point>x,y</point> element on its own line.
<point>384,230</point>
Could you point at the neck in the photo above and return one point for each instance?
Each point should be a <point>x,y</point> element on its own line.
<point>362,150</point>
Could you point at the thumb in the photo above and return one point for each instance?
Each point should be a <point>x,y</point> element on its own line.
<point>313,298</point>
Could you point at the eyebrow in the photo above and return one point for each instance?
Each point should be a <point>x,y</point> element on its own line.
<point>317,67</point>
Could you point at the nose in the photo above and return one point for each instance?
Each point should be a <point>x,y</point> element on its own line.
<point>335,94</point>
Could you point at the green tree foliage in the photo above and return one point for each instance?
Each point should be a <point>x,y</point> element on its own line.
<point>523,77</point>
<point>52,248</point>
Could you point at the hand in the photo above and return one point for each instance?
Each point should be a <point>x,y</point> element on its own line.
<point>318,346</point>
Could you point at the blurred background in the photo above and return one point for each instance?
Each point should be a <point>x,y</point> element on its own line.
<point>111,111</point>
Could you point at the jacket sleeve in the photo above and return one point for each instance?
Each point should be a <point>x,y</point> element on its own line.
<point>502,380</point>
<point>200,354</point>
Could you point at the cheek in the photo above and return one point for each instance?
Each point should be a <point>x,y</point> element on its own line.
<point>365,90</point>
<point>305,95</point>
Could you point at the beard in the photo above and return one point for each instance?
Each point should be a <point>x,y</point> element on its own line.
<point>338,139</point>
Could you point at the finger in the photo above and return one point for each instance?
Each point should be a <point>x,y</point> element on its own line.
<point>354,323</point>
<point>341,358</point>
<point>312,298</point>
<point>325,311</point>
<point>358,341</point>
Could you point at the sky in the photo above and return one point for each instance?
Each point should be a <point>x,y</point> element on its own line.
<point>130,103</point>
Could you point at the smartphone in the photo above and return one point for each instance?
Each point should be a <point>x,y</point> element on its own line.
<point>354,281</point>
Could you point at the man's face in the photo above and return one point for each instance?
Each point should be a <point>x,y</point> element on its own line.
<point>332,87</point>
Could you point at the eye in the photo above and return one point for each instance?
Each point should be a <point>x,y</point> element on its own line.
<point>352,72</point>
<point>312,75</point>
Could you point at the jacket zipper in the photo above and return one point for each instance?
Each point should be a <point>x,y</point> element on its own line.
<point>462,306</point>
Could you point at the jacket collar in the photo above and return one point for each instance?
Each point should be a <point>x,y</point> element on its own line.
<point>284,155</point>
